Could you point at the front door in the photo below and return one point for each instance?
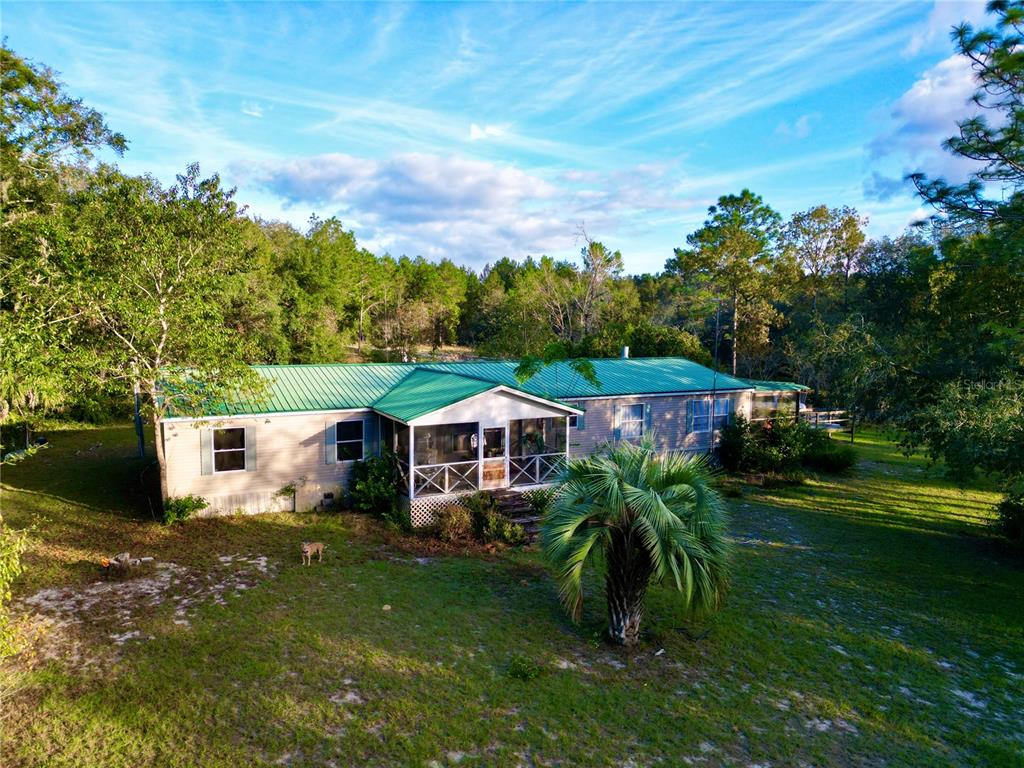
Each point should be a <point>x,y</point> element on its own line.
<point>495,455</point>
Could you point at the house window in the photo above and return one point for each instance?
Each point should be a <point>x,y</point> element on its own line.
<point>349,435</point>
<point>574,422</point>
<point>632,423</point>
<point>723,406</point>
<point>229,450</point>
<point>701,415</point>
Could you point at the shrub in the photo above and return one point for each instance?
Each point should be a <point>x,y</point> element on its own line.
<point>833,457</point>
<point>521,667</point>
<point>482,507</point>
<point>178,509</point>
<point>453,523</point>
<point>786,442</point>
<point>12,545</point>
<point>732,446</point>
<point>509,532</point>
<point>539,499</point>
<point>487,522</point>
<point>373,489</point>
<point>1011,515</point>
<point>781,448</point>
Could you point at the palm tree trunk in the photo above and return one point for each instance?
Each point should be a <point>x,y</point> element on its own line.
<point>629,570</point>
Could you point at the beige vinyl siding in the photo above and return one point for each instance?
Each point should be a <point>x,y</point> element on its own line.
<point>668,422</point>
<point>289,450</point>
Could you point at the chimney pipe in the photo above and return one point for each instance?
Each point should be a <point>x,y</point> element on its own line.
<point>625,353</point>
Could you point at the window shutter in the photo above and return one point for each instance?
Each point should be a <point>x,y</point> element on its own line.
<point>250,449</point>
<point>689,416</point>
<point>648,418</point>
<point>617,421</point>
<point>206,451</point>
<point>331,443</point>
<point>370,435</point>
<point>580,425</point>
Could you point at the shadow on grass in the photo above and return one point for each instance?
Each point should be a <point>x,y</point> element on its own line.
<point>94,468</point>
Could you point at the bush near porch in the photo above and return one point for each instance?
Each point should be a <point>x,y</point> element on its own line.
<point>872,619</point>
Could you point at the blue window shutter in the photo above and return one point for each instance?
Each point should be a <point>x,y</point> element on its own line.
<point>206,451</point>
<point>689,416</point>
<point>250,449</point>
<point>580,424</point>
<point>617,421</point>
<point>370,435</point>
<point>648,418</point>
<point>331,443</point>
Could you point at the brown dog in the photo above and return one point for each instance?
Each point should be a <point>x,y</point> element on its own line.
<point>308,548</point>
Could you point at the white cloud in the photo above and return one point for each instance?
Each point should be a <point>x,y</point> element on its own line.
<point>945,15</point>
<point>927,114</point>
<point>477,132</point>
<point>799,129</point>
<point>426,204</point>
<point>252,108</point>
<point>467,209</point>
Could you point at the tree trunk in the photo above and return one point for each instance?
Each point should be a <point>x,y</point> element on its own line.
<point>625,612</point>
<point>160,460</point>
<point>629,571</point>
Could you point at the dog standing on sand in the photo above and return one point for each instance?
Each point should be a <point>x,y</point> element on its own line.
<point>308,548</point>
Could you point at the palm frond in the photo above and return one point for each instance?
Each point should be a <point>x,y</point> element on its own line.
<point>662,505</point>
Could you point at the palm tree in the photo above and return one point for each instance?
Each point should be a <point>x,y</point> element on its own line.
<point>642,516</point>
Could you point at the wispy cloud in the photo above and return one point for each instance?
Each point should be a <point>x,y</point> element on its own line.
<point>799,129</point>
<point>479,132</point>
<point>482,130</point>
<point>252,109</point>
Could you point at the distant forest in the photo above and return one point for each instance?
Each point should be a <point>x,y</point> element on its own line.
<point>111,283</point>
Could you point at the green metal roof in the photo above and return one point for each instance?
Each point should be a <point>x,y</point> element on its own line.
<point>424,391</point>
<point>763,385</point>
<point>617,376</point>
<point>408,390</point>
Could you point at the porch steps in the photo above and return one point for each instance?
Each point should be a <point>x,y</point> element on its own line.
<point>517,509</point>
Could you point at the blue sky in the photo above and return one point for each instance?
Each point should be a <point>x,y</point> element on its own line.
<point>477,131</point>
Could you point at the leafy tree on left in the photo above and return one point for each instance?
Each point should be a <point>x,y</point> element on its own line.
<point>150,263</point>
<point>47,140</point>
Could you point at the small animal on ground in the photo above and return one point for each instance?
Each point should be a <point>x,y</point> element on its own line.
<point>308,548</point>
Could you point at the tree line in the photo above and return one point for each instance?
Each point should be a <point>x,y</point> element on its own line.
<point>111,282</point>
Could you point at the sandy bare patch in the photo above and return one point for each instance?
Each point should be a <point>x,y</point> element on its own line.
<point>83,626</point>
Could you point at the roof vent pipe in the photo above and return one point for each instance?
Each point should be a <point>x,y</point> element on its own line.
<point>625,353</point>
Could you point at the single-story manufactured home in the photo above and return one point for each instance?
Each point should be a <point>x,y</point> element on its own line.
<point>455,428</point>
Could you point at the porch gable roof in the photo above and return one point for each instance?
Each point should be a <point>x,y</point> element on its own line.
<point>424,391</point>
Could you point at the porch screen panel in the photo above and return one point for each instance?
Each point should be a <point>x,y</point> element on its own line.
<point>529,437</point>
<point>402,442</point>
<point>446,443</point>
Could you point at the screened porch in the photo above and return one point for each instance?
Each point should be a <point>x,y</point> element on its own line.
<point>467,456</point>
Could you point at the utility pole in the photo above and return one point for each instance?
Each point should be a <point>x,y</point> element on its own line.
<point>714,377</point>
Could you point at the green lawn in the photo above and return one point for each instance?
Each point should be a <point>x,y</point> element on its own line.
<point>872,620</point>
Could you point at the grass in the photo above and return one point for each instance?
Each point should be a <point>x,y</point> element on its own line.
<point>872,620</point>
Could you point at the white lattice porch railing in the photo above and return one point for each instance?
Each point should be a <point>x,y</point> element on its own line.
<point>534,470</point>
<point>445,478</point>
